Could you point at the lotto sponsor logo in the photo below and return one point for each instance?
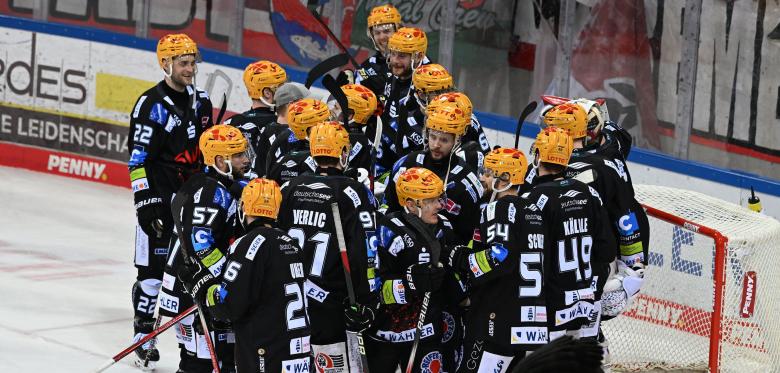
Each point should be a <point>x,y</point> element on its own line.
<point>748,295</point>
<point>76,167</point>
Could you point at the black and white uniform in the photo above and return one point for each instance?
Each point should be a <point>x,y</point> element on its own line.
<point>389,342</point>
<point>295,162</point>
<point>262,296</point>
<point>307,216</point>
<point>209,224</point>
<point>373,74</point>
<point>252,124</point>
<point>165,127</point>
<point>268,136</point>
<point>362,147</point>
<point>463,190</point>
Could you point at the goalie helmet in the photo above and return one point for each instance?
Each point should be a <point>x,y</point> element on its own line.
<point>306,113</point>
<point>173,45</point>
<point>383,14</point>
<point>450,113</point>
<point>261,75</point>
<point>553,145</point>
<point>261,198</point>
<point>328,139</point>
<point>362,102</point>
<point>410,40</point>
<point>509,161</point>
<point>431,78</point>
<point>569,116</point>
<point>221,139</point>
<point>417,184</point>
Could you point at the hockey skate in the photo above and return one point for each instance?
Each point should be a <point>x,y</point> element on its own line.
<point>146,357</point>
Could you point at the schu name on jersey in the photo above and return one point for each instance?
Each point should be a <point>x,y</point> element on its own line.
<point>574,226</point>
<point>312,218</point>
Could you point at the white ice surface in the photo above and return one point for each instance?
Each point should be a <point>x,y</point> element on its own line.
<point>66,269</point>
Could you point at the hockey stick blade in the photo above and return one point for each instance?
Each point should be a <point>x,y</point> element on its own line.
<point>335,90</point>
<point>322,68</point>
<point>521,119</point>
<point>145,339</point>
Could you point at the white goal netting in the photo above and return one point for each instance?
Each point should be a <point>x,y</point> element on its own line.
<point>669,325</point>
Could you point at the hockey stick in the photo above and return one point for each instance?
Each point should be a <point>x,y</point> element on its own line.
<point>222,109</point>
<point>153,343</point>
<point>311,5</point>
<point>354,339</point>
<point>521,119</point>
<point>177,207</point>
<point>323,67</point>
<point>435,248</point>
<point>145,339</point>
<point>375,150</point>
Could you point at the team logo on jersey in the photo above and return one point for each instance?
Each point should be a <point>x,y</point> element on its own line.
<point>447,327</point>
<point>316,186</point>
<point>329,363</point>
<point>431,363</point>
<point>222,198</point>
<point>570,194</point>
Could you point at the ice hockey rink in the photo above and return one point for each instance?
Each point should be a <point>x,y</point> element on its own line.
<point>66,270</point>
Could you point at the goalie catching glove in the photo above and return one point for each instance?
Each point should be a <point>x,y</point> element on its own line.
<point>621,288</point>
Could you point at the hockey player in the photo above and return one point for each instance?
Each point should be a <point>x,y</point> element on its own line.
<point>407,48</point>
<point>445,125</point>
<point>362,108</point>
<point>261,78</point>
<point>428,82</point>
<point>537,261</point>
<point>289,155</point>
<point>209,223</point>
<point>164,128</point>
<point>610,177</point>
<point>261,292</point>
<point>413,241</point>
<point>307,216</point>
<point>382,22</point>
<point>286,94</point>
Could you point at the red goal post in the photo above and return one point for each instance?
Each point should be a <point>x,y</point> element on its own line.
<point>701,307</point>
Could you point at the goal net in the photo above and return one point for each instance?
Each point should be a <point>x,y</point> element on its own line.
<point>711,290</point>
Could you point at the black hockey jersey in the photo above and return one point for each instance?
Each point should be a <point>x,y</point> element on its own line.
<point>261,294</point>
<point>293,164</point>
<point>268,136</point>
<point>373,74</point>
<point>209,225</point>
<point>578,246</point>
<point>610,177</point>
<point>401,245</point>
<point>362,148</point>
<point>307,216</point>
<point>165,127</point>
<point>463,190</point>
<point>284,142</point>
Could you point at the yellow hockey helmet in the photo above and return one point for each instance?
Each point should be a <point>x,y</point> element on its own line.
<point>261,197</point>
<point>408,40</point>
<point>304,114</point>
<point>417,184</point>
<point>431,78</point>
<point>384,14</point>
<point>569,116</point>
<point>507,160</point>
<point>174,45</point>
<point>221,139</point>
<point>328,139</point>
<point>450,113</point>
<point>362,102</point>
<point>261,75</point>
<point>554,145</point>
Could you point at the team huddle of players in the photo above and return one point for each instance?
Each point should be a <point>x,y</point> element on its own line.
<point>382,235</point>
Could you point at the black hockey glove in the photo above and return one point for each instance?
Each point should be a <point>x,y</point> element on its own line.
<point>459,259</point>
<point>197,280</point>
<point>424,277</point>
<point>358,317</point>
<point>153,217</point>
